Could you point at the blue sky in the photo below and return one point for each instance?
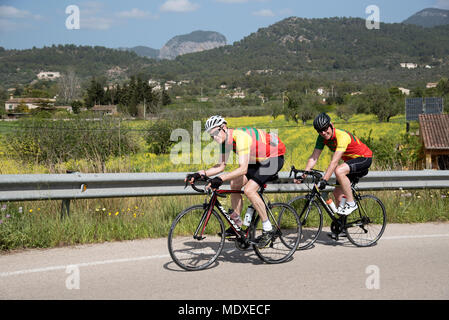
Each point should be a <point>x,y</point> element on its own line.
<point>118,23</point>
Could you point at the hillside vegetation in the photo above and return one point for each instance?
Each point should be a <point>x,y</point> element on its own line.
<point>330,48</point>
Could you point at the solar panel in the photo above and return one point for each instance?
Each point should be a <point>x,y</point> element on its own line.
<point>413,108</point>
<point>433,106</point>
<point>416,106</point>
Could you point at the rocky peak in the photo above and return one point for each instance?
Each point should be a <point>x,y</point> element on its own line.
<point>193,42</point>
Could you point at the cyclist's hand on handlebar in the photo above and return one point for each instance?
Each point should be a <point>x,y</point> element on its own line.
<point>192,177</point>
<point>300,179</point>
<point>214,183</point>
<point>322,184</point>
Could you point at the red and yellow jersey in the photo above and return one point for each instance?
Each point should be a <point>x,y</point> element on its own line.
<point>259,144</point>
<point>347,142</point>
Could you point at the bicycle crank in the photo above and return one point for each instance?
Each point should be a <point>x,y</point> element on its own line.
<point>241,244</point>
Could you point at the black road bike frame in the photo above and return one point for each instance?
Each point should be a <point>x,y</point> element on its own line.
<point>340,222</point>
<point>242,235</point>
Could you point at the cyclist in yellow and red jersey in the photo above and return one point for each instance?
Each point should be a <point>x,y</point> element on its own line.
<point>260,156</point>
<point>356,155</point>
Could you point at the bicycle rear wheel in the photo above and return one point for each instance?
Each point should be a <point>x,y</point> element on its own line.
<point>366,225</point>
<point>311,219</point>
<point>190,253</point>
<point>285,240</point>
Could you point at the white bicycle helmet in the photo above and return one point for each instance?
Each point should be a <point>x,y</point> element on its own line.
<point>213,122</point>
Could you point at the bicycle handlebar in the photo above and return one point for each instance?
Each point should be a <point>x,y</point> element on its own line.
<point>194,187</point>
<point>317,174</point>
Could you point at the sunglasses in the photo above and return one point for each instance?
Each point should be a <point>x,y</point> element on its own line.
<point>216,133</point>
<point>324,130</point>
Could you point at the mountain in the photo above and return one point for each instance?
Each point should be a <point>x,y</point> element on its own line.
<point>429,17</point>
<point>22,66</point>
<point>329,49</point>
<point>195,41</point>
<point>332,48</point>
<point>143,51</point>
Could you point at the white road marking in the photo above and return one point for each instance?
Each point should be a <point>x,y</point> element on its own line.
<point>84,264</point>
<point>415,237</point>
<point>96,263</point>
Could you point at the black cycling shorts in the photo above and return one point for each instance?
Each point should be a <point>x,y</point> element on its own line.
<point>261,172</point>
<point>358,167</point>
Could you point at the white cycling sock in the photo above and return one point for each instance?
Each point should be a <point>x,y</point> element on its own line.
<point>266,225</point>
<point>352,203</point>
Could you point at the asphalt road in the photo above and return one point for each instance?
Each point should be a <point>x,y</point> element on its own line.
<point>410,261</point>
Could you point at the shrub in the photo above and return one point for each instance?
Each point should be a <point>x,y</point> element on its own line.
<point>391,153</point>
<point>51,142</point>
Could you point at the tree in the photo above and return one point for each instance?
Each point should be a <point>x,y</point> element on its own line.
<point>382,103</point>
<point>76,106</point>
<point>166,100</point>
<point>69,87</point>
<point>443,87</point>
<point>95,94</point>
<point>300,107</point>
<point>22,108</point>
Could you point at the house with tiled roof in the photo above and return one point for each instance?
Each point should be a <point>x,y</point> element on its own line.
<point>434,132</point>
<point>32,103</point>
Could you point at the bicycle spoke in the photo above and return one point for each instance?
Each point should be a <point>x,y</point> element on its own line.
<point>311,220</point>
<point>192,253</point>
<point>287,238</point>
<point>367,224</point>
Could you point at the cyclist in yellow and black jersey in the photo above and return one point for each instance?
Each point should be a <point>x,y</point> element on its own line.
<point>356,155</point>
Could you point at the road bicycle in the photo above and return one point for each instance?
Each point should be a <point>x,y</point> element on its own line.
<point>197,235</point>
<point>363,227</point>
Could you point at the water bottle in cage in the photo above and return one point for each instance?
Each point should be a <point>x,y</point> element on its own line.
<point>248,216</point>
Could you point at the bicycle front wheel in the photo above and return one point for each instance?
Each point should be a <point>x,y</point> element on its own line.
<point>196,253</point>
<point>311,219</point>
<point>285,240</point>
<point>365,226</point>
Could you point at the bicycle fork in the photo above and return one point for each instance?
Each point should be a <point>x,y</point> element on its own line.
<point>204,219</point>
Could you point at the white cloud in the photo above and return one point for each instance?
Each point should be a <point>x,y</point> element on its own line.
<point>96,23</point>
<point>442,4</point>
<point>179,6</point>
<point>9,12</point>
<point>264,13</point>
<point>232,1</point>
<point>90,8</point>
<point>135,14</point>
<point>240,1</point>
<point>12,19</point>
<point>90,16</point>
<point>8,25</point>
<point>12,13</point>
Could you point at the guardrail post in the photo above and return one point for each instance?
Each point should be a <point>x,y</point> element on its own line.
<point>65,208</point>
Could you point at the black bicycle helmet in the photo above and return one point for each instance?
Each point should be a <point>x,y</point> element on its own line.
<point>321,122</point>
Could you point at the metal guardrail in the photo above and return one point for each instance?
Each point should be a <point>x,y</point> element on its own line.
<point>110,185</point>
<point>68,187</point>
